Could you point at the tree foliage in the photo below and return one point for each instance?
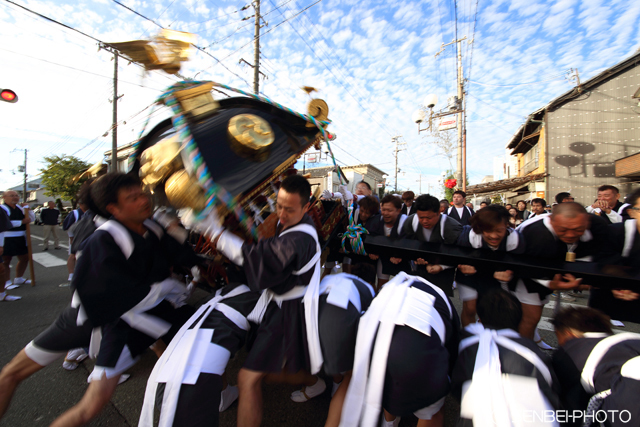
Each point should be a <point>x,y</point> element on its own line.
<point>448,192</point>
<point>57,177</point>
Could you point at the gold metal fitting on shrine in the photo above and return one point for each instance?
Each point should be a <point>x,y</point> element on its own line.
<point>183,191</point>
<point>197,101</point>
<point>159,161</point>
<point>318,109</point>
<point>250,136</point>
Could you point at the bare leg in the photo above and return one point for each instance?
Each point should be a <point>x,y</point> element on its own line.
<point>250,399</point>
<point>14,372</point>
<point>97,396</point>
<point>468,315</point>
<point>335,409</point>
<point>71,263</point>
<point>388,416</point>
<point>531,315</point>
<point>158,348</point>
<point>437,420</point>
<point>21,267</point>
<point>6,262</point>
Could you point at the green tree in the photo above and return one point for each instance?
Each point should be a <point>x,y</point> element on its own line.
<point>57,177</point>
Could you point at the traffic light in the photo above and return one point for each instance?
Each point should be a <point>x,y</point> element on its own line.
<point>7,95</point>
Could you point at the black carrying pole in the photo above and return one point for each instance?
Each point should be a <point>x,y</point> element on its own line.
<point>592,273</point>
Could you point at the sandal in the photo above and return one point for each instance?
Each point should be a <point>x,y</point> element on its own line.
<point>74,358</point>
<point>310,392</point>
<point>5,297</point>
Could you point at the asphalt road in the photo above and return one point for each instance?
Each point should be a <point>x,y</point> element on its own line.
<point>48,393</point>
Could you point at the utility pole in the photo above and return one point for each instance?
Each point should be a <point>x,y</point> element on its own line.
<point>114,128</point>
<point>461,172</point>
<point>256,53</point>
<point>461,166</point>
<point>24,185</point>
<point>256,47</point>
<point>395,152</point>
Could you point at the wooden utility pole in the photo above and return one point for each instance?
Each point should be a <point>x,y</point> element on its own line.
<point>24,183</point>
<point>461,164</point>
<point>114,128</point>
<point>461,174</point>
<point>256,53</point>
<point>395,152</point>
<point>28,230</point>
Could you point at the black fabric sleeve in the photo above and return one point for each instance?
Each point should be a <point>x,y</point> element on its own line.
<point>271,262</point>
<point>107,284</point>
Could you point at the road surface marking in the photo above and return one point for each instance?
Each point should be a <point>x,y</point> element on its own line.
<point>42,238</point>
<point>48,260</point>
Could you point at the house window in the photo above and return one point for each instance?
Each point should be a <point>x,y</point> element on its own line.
<point>531,159</point>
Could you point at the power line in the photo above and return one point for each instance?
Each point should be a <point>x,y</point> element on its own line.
<point>272,28</point>
<point>558,77</point>
<point>137,13</point>
<point>72,29</point>
<point>333,74</point>
<point>497,108</point>
<point>333,58</point>
<point>55,22</point>
<point>197,47</point>
<point>75,69</point>
<point>473,39</point>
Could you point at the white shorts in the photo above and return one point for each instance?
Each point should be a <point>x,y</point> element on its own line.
<point>41,356</point>
<point>467,293</point>
<point>428,412</point>
<point>125,361</point>
<point>524,296</point>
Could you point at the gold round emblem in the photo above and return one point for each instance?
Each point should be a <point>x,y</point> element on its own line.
<point>183,191</point>
<point>250,136</point>
<point>318,109</point>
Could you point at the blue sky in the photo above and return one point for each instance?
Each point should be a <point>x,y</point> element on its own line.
<point>373,62</point>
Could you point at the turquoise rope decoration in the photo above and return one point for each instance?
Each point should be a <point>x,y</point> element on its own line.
<point>354,234</point>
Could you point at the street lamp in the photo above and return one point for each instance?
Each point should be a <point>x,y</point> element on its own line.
<point>419,115</point>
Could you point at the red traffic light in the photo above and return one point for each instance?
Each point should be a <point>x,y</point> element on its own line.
<point>8,95</point>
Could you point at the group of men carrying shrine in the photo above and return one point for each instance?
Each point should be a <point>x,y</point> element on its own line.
<point>389,354</point>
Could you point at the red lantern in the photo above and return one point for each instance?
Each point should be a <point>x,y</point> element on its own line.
<point>450,183</point>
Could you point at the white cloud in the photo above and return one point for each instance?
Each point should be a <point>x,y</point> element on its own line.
<point>372,62</point>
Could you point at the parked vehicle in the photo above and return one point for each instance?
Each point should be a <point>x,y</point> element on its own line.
<point>36,211</point>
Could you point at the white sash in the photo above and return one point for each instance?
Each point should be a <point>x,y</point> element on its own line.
<point>491,399</point>
<point>597,354</point>
<point>310,299</point>
<point>396,304</point>
<point>172,365</point>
